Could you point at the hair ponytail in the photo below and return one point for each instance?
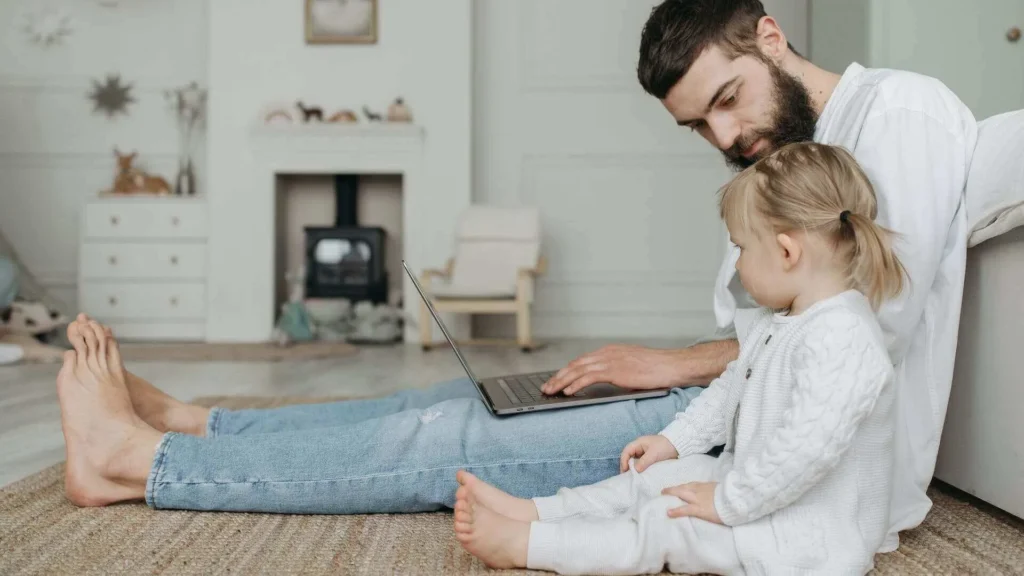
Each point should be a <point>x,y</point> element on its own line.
<point>819,188</point>
<point>874,267</point>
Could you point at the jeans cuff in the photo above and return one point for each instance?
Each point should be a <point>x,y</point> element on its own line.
<point>213,422</point>
<point>157,468</point>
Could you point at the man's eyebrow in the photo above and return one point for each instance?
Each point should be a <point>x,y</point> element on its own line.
<point>718,94</point>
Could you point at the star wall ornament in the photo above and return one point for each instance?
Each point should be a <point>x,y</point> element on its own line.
<point>111,97</point>
<point>48,27</point>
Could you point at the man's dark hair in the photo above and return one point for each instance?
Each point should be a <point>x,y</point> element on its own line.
<point>678,31</point>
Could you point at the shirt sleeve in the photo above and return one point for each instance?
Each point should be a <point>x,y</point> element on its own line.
<point>918,167</point>
<point>701,426</point>
<point>839,376</point>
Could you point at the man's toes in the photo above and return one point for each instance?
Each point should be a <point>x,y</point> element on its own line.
<point>101,344</point>
<point>69,364</point>
<point>114,355</point>
<point>77,339</point>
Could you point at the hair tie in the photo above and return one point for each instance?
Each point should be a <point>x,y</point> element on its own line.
<point>844,216</point>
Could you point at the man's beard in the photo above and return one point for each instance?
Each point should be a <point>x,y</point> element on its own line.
<point>793,120</point>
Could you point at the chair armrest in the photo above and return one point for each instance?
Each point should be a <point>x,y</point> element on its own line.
<point>436,273</point>
<point>538,270</point>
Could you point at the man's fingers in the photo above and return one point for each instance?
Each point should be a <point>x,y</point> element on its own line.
<point>567,375</point>
<point>591,375</point>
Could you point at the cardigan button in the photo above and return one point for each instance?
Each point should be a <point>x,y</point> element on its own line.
<point>768,340</point>
<point>749,372</point>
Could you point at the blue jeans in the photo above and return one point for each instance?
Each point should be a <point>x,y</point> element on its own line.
<point>398,453</point>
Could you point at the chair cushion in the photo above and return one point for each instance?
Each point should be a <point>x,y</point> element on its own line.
<point>492,245</point>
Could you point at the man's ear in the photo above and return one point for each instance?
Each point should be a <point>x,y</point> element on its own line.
<point>771,39</point>
<point>791,251</point>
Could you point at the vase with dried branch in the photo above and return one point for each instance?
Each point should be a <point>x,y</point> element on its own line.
<point>189,106</point>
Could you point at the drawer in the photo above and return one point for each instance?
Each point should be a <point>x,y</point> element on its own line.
<point>146,218</point>
<point>108,260</point>
<point>138,301</point>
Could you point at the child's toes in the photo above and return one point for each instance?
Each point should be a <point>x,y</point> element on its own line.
<point>463,530</point>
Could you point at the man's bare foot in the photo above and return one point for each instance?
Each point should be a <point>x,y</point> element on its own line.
<point>477,491</point>
<point>499,541</point>
<point>109,448</point>
<point>158,409</point>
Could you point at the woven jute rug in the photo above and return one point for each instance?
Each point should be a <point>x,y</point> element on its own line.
<point>258,352</point>
<point>41,533</point>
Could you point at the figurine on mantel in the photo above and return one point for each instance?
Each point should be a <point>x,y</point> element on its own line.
<point>371,115</point>
<point>398,111</point>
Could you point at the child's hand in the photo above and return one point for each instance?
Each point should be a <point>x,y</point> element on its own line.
<point>650,449</point>
<point>699,498</point>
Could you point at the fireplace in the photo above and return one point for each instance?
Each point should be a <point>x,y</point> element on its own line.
<point>346,260</point>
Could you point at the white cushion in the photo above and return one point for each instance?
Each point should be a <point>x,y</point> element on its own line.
<point>492,245</point>
<point>995,182</point>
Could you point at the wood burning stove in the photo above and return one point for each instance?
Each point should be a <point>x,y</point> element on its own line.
<point>346,260</point>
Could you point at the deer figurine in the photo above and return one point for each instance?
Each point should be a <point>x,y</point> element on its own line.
<point>131,180</point>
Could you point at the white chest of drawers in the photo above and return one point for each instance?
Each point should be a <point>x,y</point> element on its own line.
<point>142,267</point>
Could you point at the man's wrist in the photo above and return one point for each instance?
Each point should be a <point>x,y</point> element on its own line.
<point>698,365</point>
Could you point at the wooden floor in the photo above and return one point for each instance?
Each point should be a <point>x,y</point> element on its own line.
<point>30,436</point>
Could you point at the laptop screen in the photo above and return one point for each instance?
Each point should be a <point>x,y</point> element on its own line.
<point>437,319</point>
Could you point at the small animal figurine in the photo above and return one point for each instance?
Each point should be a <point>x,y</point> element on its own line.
<point>130,180</point>
<point>398,111</point>
<point>344,116</point>
<point>280,116</point>
<point>311,112</point>
<point>371,115</point>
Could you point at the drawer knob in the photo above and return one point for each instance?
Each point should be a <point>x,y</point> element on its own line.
<point>112,260</point>
<point>114,220</point>
<point>174,260</point>
<point>174,300</point>
<point>112,300</point>
<point>175,221</point>
<point>1013,35</point>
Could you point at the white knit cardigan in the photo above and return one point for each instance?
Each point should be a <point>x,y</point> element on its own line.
<point>805,415</point>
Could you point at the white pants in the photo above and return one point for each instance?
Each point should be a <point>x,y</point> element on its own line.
<point>621,525</point>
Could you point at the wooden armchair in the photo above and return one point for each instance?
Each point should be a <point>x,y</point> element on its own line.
<point>497,260</point>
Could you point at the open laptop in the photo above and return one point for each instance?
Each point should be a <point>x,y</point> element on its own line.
<point>516,393</point>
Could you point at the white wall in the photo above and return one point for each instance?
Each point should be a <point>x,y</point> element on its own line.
<point>258,57</point>
<point>627,197</point>
<point>55,153</point>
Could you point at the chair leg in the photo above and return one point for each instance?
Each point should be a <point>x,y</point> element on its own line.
<point>524,335</point>
<point>426,327</point>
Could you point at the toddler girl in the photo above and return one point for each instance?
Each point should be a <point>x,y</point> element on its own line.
<point>804,413</point>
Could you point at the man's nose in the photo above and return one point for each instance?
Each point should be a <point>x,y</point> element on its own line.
<point>725,132</point>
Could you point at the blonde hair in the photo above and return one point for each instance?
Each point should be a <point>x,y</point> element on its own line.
<point>820,189</point>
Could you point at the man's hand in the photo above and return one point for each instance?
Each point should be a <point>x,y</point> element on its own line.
<point>699,498</point>
<point>633,367</point>
<point>650,450</point>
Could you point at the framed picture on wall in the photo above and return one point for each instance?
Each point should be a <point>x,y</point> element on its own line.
<point>341,21</point>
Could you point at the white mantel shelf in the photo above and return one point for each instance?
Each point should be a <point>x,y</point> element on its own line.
<point>326,136</point>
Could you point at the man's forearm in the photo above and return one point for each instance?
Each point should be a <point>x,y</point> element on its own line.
<point>698,365</point>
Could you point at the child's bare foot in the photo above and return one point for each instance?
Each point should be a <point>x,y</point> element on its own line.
<point>156,408</point>
<point>499,541</point>
<point>109,448</point>
<point>477,491</point>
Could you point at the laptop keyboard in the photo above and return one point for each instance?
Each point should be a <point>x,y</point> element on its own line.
<point>526,388</point>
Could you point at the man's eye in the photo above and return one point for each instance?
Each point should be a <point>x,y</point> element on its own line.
<point>729,101</point>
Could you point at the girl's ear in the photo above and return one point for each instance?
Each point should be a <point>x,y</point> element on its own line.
<point>790,249</point>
